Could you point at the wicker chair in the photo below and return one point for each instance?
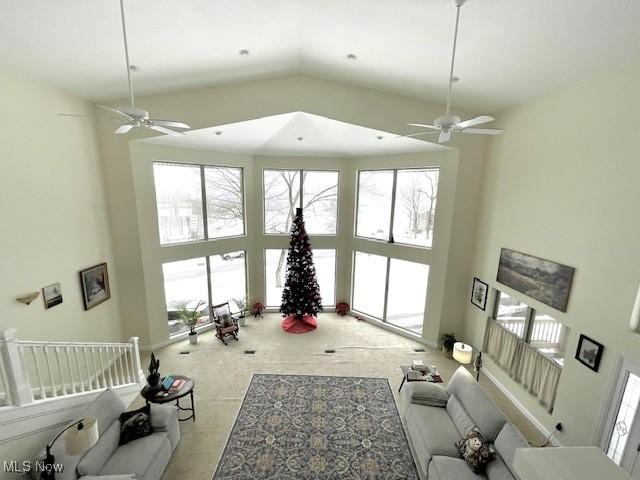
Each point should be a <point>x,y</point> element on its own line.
<point>226,323</point>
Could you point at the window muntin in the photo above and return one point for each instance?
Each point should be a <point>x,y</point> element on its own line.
<point>407,294</point>
<point>397,206</point>
<point>415,206</point>
<point>179,202</point>
<point>369,274</point>
<point>315,191</point>
<point>275,270</point>
<point>225,202</point>
<point>228,278</point>
<point>185,283</point>
<point>373,216</point>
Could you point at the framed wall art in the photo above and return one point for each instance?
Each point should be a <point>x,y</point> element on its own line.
<point>95,285</point>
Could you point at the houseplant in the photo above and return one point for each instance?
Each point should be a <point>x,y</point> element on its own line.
<point>256,309</point>
<point>447,340</point>
<point>190,316</point>
<point>342,308</point>
<point>243,305</point>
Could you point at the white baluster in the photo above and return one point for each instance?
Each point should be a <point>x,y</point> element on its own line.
<point>18,388</point>
<point>47,360</point>
<point>63,388</point>
<point>73,383</point>
<point>125,352</point>
<point>77,355</point>
<point>106,352</point>
<point>136,358</point>
<point>95,367</point>
<point>134,376</point>
<point>123,380</point>
<point>86,364</point>
<point>103,373</point>
<point>34,353</point>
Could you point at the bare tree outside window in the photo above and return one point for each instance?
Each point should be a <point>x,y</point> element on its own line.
<point>225,206</point>
<point>416,194</point>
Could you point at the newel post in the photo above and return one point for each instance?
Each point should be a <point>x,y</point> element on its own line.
<point>136,359</point>
<point>17,383</point>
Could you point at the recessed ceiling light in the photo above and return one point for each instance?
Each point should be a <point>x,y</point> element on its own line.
<point>218,132</point>
<point>134,68</point>
<point>300,139</point>
<point>244,52</point>
<point>352,57</point>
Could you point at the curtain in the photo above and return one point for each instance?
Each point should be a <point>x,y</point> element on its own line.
<point>538,374</point>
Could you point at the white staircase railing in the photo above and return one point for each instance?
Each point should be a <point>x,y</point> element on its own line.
<point>32,371</point>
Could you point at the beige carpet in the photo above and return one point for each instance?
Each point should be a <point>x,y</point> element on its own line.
<point>222,375</point>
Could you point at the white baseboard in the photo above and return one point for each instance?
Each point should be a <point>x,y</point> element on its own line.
<point>520,406</point>
<point>397,330</point>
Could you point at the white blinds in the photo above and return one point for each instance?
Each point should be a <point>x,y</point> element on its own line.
<point>538,374</point>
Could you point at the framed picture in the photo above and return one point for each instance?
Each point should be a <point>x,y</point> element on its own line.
<point>479,293</point>
<point>52,295</point>
<point>95,285</point>
<point>589,352</point>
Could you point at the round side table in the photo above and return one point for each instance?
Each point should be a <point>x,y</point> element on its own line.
<point>150,396</point>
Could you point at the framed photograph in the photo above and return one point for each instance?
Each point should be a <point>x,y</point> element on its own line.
<point>589,352</point>
<point>479,293</point>
<point>52,295</point>
<point>95,285</point>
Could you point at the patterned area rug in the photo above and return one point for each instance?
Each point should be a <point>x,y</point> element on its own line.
<point>298,427</point>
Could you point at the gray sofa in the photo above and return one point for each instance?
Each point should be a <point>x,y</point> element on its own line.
<point>433,430</point>
<point>142,459</point>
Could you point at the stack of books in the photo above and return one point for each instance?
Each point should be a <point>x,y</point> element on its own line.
<point>176,385</point>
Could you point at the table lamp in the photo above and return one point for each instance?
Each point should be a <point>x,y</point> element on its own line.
<point>76,441</point>
<point>463,353</point>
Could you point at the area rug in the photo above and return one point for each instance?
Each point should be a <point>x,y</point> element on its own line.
<point>303,427</point>
<point>293,325</point>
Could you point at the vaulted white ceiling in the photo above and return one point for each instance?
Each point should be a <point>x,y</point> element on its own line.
<point>509,50</point>
<point>296,134</point>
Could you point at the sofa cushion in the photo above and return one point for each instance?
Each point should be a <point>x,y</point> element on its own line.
<point>447,468</point>
<point>506,443</point>
<point>427,393</point>
<point>432,433</point>
<point>138,455</point>
<point>497,470</point>
<point>105,408</point>
<point>163,416</point>
<point>482,411</point>
<point>97,456</point>
<point>461,419</point>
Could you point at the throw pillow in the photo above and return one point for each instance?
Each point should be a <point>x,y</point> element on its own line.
<point>475,451</point>
<point>226,320</point>
<point>135,424</point>
<point>427,393</point>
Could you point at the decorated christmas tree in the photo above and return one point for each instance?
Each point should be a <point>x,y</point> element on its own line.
<point>301,299</point>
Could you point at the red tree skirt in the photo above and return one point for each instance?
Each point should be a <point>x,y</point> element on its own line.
<point>292,325</point>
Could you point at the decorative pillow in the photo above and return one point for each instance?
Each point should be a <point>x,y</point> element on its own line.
<point>475,451</point>
<point>225,320</point>
<point>427,393</point>
<point>135,424</point>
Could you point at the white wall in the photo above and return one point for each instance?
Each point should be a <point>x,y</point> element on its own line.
<point>54,213</point>
<point>562,183</point>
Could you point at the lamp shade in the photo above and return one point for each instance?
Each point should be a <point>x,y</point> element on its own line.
<point>82,437</point>
<point>462,353</point>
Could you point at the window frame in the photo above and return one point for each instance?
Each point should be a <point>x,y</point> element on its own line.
<point>386,290</point>
<point>390,239</point>
<point>203,194</point>
<point>301,172</point>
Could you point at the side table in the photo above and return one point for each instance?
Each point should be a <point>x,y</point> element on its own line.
<point>405,370</point>
<point>187,389</point>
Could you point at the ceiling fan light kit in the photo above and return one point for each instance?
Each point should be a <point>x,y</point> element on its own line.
<point>447,123</point>
<point>132,116</point>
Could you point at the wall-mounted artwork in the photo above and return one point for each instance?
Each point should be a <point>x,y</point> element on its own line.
<point>52,295</point>
<point>589,352</point>
<point>546,281</point>
<point>95,285</point>
<point>479,293</point>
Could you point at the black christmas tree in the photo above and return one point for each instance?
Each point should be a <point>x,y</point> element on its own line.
<point>301,294</point>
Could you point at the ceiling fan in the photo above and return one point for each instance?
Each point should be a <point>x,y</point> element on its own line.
<point>448,124</point>
<point>132,116</point>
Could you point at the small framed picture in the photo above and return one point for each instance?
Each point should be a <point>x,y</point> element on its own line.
<point>95,285</point>
<point>589,352</point>
<point>479,293</point>
<point>52,295</point>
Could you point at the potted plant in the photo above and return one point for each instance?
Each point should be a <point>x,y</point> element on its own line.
<point>447,340</point>
<point>342,308</point>
<point>190,316</point>
<point>243,305</point>
<point>256,309</point>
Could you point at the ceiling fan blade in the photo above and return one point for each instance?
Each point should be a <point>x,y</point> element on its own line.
<point>416,134</point>
<point>117,112</point>
<point>422,125</point>
<point>166,131</point>
<point>484,131</point>
<point>475,121</point>
<point>123,129</point>
<point>445,135</point>
<point>169,123</point>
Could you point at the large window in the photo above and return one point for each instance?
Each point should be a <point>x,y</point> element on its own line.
<point>185,194</point>
<point>406,217</point>
<point>390,290</point>
<point>538,329</point>
<point>276,267</point>
<point>201,282</point>
<point>316,192</point>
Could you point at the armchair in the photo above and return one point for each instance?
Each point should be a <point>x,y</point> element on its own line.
<point>226,323</point>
